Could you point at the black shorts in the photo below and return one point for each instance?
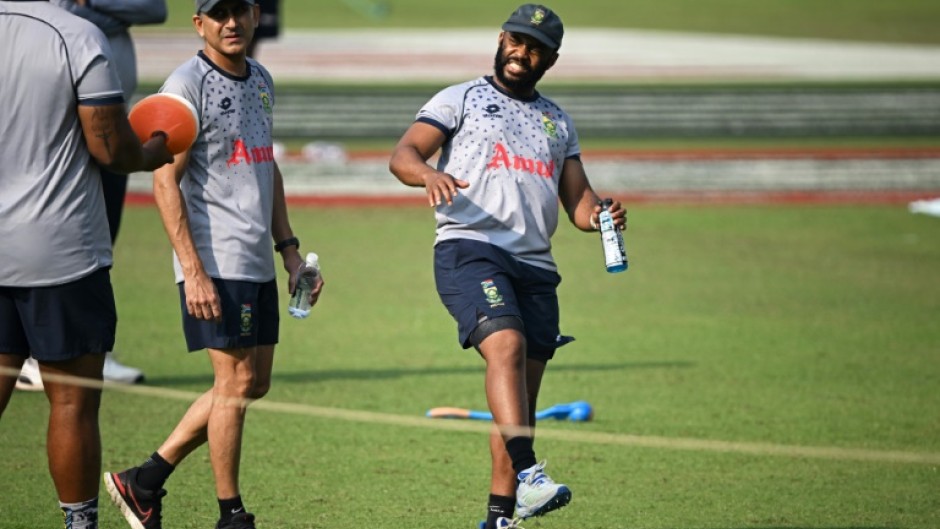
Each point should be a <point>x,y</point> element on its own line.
<point>250,317</point>
<point>478,281</point>
<point>61,322</point>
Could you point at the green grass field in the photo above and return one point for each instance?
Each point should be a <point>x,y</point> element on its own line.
<point>757,367</point>
<point>913,21</point>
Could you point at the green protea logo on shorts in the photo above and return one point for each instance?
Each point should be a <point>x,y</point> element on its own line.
<point>538,17</point>
<point>245,323</point>
<point>549,126</point>
<point>491,293</point>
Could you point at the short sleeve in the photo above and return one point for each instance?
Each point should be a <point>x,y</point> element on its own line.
<point>444,109</point>
<point>574,147</point>
<point>97,81</point>
<point>186,87</point>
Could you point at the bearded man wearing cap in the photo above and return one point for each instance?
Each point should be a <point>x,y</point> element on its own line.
<point>508,156</point>
<point>223,208</point>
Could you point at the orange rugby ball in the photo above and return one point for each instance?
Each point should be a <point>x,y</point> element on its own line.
<point>168,113</point>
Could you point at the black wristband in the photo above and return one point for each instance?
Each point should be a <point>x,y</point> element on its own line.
<point>290,241</point>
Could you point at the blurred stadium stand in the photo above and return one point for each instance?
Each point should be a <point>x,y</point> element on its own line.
<point>662,86</point>
<point>644,112</point>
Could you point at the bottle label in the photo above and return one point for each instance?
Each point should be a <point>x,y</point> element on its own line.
<point>299,305</point>
<point>612,239</point>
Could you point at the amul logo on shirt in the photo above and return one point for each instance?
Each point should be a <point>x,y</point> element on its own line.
<point>241,153</point>
<point>502,158</point>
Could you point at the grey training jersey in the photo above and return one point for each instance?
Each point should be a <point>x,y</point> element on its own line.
<point>229,182</point>
<point>511,152</point>
<point>53,226</point>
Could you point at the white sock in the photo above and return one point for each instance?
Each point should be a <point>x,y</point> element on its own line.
<point>82,515</point>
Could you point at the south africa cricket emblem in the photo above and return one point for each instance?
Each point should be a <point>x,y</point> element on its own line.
<point>491,293</point>
<point>245,322</point>
<point>538,17</point>
<point>549,126</point>
<point>265,96</point>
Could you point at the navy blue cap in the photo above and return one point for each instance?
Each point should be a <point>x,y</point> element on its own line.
<point>537,21</point>
<point>206,5</point>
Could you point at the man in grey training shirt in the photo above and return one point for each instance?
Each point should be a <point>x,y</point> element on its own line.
<point>65,117</point>
<point>222,204</point>
<point>508,155</point>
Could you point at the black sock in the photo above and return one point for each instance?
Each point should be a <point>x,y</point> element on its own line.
<point>499,506</point>
<point>154,472</point>
<point>521,452</point>
<point>229,508</point>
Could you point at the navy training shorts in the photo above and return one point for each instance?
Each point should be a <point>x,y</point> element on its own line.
<point>477,281</point>
<point>61,322</point>
<point>250,317</point>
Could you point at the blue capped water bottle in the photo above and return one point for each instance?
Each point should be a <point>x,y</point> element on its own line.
<point>615,256</point>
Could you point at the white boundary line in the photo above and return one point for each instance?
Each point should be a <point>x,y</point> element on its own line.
<point>599,438</point>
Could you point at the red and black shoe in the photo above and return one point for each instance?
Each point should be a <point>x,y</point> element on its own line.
<point>140,507</point>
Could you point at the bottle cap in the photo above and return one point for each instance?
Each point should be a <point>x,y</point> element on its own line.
<point>313,260</point>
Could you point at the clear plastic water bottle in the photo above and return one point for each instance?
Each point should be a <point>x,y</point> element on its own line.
<point>615,256</point>
<point>299,306</point>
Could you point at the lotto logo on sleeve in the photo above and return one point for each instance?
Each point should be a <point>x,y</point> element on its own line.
<point>491,293</point>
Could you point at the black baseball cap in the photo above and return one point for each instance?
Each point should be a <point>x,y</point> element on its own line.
<point>206,5</point>
<point>537,21</point>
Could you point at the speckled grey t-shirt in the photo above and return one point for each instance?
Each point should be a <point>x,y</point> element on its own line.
<point>229,182</point>
<point>53,225</point>
<point>512,152</point>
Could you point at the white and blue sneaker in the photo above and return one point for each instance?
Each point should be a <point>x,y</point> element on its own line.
<point>537,494</point>
<point>114,371</point>
<point>504,523</point>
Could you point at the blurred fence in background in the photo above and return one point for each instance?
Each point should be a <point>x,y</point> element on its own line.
<point>343,85</point>
<point>712,112</point>
<point>644,112</point>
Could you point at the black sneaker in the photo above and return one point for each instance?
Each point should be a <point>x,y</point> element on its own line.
<point>140,507</point>
<point>242,520</point>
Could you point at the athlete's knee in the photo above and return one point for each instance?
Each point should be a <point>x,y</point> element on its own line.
<point>260,389</point>
<point>238,384</point>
